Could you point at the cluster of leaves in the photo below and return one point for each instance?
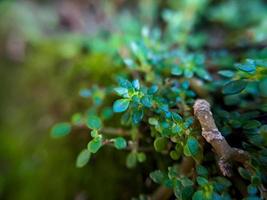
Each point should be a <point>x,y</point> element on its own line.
<point>153,113</point>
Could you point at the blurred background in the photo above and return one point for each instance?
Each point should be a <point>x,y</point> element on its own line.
<point>51,49</point>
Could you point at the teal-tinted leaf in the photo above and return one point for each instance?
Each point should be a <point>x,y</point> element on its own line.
<point>188,73</point>
<point>120,143</point>
<point>94,122</point>
<point>176,117</point>
<point>202,181</point>
<point>124,83</point>
<point>160,144</point>
<point>185,85</point>
<point>176,71</point>
<point>136,84</point>
<point>94,145</point>
<point>131,160</point>
<point>226,73</point>
<point>121,91</point>
<point>187,182</point>
<point>157,176</point>
<point>83,158</point>
<point>60,130</point>
<point>121,105</point>
<point>192,147</point>
<point>176,129</point>
<point>221,183</point>
<point>199,195</point>
<point>106,113</point>
<point>261,63</point>
<point>187,193</point>
<point>85,93</point>
<point>146,101</point>
<point>137,116</point>
<point>202,171</point>
<point>153,89</point>
<point>234,87</point>
<point>249,66</point>
<point>252,190</point>
<point>129,62</point>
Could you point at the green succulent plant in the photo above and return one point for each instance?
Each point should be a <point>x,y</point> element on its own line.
<point>152,110</point>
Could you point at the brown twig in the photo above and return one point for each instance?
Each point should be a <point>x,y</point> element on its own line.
<point>212,135</point>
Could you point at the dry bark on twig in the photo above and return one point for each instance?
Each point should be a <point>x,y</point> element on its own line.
<point>212,135</point>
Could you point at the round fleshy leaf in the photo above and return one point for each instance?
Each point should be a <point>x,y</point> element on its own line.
<point>234,87</point>
<point>60,130</point>
<point>94,145</point>
<point>94,122</point>
<point>83,158</point>
<point>120,143</point>
<point>121,105</point>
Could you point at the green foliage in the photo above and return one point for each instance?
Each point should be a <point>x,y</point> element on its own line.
<point>94,122</point>
<point>60,130</point>
<point>147,109</point>
<point>83,158</point>
<point>95,144</point>
<point>120,143</point>
<point>121,105</point>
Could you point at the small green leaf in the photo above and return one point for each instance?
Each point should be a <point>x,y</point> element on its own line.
<point>157,176</point>
<point>234,87</point>
<point>60,130</point>
<point>121,91</point>
<point>175,155</point>
<point>121,105</point>
<point>176,129</point>
<point>191,147</point>
<point>83,158</point>
<point>136,84</point>
<point>176,71</point>
<point>85,93</point>
<point>249,66</point>
<point>146,101</point>
<point>141,157</point>
<point>153,89</point>
<point>153,121</point>
<point>202,181</point>
<point>176,117</point>
<point>252,190</point>
<point>202,171</point>
<point>226,73</point>
<point>244,173</point>
<point>95,144</point>
<point>252,124</point>
<point>120,143</point>
<point>76,119</point>
<point>94,122</point>
<point>199,195</point>
<point>137,116</point>
<point>160,144</point>
<point>131,160</point>
<point>106,113</point>
<point>94,133</point>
